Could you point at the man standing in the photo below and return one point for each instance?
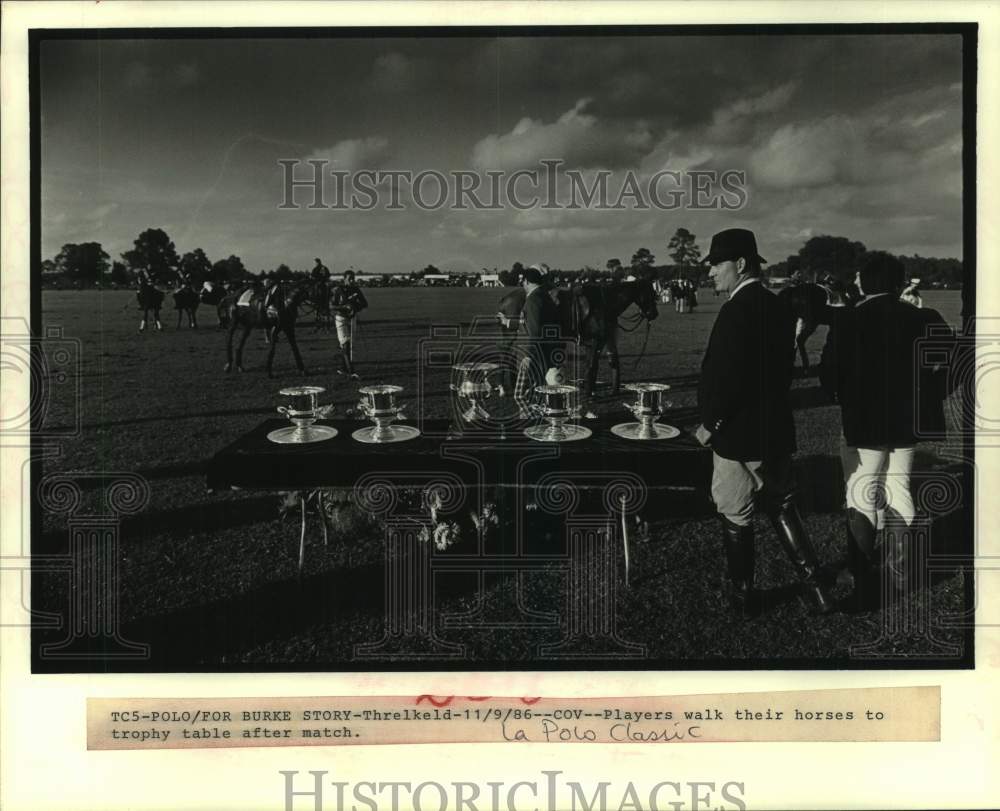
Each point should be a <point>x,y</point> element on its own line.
<point>543,362</point>
<point>889,399</point>
<point>746,412</point>
<point>347,302</point>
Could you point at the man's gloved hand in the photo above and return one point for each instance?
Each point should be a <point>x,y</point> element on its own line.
<point>703,435</point>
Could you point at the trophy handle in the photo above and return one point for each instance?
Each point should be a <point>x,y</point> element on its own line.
<point>324,411</point>
<point>283,410</point>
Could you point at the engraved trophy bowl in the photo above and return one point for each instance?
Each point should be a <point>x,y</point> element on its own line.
<point>559,407</point>
<point>471,384</point>
<point>647,408</point>
<point>378,403</point>
<point>302,409</point>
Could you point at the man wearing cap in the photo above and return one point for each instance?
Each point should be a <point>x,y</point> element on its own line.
<point>746,412</point>
<point>541,319</point>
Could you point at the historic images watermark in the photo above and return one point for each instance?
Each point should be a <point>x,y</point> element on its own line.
<point>316,791</point>
<point>551,186</point>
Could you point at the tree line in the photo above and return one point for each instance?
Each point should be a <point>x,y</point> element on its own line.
<point>87,264</point>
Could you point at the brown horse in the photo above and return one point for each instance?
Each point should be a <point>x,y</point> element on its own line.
<point>280,319</point>
<point>810,303</point>
<point>186,303</point>
<point>150,300</point>
<point>589,314</point>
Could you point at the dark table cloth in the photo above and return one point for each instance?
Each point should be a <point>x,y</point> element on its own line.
<point>252,461</point>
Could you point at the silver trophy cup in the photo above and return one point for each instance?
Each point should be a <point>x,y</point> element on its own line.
<point>647,408</point>
<point>471,385</point>
<point>302,409</point>
<point>378,403</point>
<point>558,409</point>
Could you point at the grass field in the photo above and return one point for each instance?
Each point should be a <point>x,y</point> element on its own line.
<point>209,580</point>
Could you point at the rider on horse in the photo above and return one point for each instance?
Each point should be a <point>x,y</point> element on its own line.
<point>148,296</point>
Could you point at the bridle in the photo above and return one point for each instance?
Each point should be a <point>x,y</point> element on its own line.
<point>635,320</point>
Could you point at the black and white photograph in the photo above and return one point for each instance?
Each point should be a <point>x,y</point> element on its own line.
<point>474,405</point>
<point>502,349</point>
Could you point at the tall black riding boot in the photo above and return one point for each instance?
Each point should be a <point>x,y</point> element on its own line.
<point>788,525</point>
<point>738,543</point>
<point>862,560</point>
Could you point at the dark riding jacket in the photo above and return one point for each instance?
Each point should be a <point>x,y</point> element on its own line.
<point>349,296</point>
<point>542,321</point>
<point>746,374</point>
<point>886,363</point>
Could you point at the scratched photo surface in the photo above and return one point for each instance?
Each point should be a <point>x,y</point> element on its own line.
<point>200,202</point>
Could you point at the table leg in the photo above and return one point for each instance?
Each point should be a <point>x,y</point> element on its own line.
<point>322,516</point>
<point>302,534</point>
<point>625,537</point>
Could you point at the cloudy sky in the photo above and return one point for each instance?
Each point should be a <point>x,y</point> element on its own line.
<point>857,136</point>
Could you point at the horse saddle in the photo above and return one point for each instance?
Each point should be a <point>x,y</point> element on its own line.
<point>574,308</point>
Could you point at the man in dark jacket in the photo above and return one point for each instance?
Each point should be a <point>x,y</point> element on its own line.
<point>346,302</point>
<point>743,398</point>
<point>544,358</point>
<point>890,398</point>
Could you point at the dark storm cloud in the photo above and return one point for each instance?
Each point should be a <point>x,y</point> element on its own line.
<point>837,134</point>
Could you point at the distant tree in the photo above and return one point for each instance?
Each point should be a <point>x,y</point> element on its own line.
<point>684,249</point>
<point>86,263</point>
<point>836,256</point>
<point>196,265</point>
<point>283,272</point>
<point>154,251</point>
<point>613,265</point>
<point>430,270</point>
<point>416,275</point>
<point>228,270</point>
<point>120,274</point>
<point>642,260</point>
<point>517,270</point>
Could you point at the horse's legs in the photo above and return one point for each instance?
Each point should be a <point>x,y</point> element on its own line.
<point>290,332</point>
<point>615,370</point>
<point>142,324</point>
<point>239,347</point>
<point>270,352</point>
<point>229,346</point>
<point>593,357</point>
<point>180,314</point>
<point>156,315</point>
<point>802,334</point>
<point>612,350</point>
<point>509,372</point>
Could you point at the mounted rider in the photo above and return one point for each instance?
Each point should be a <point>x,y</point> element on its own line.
<point>346,302</point>
<point>148,297</point>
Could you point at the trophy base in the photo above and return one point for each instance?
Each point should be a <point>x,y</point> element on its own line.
<point>547,433</point>
<point>395,433</point>
<point>301,436</point>
<point>631,430</point>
